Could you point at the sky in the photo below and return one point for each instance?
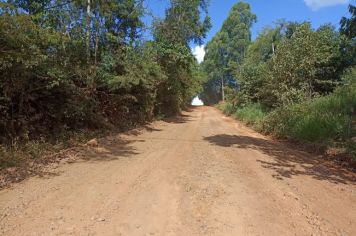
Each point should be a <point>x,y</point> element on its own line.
<point>197,102</point>
<point>318,12</point>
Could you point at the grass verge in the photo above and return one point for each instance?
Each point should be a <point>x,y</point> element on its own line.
<point>325,122</point>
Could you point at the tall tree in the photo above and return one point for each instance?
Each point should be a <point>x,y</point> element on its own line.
<point>348,46</point>
<point>226,51</point>
<point>254,73</point>
<point>44,64</point>
<point>186,22</point>
<point>348,25</point>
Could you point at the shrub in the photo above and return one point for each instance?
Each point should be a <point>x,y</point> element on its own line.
<point>319,120</point>
<point>227,108</point>
<point>252,114</point>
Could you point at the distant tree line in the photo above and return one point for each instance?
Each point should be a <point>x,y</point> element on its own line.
<point>288,63</point>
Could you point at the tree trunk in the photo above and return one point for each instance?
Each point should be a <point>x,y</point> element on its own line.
<point>96,46</point>
<point>273,48</point>
<point>222,90</point>
<point>88,30</point>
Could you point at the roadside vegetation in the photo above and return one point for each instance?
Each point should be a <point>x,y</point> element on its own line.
<point>293,81</point>
<point>72,69</point>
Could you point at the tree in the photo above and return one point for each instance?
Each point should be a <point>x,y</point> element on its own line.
<point>348,44</point>
<point>253,77</point>
<point>183,22</point>
<point>227,50</point>
<point>48,84</point>
<point>305,64</point>
<point>348,25</point>
<point>182,25</point>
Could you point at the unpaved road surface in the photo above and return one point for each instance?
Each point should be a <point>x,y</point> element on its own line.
<point>201,174</point>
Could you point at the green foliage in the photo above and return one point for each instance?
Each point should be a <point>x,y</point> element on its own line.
<point>186,21</point>
<point>9,158</point>
<point>252,114</point>
<point>291,63</point>
<point>304,65</point>
<point>348,25</point>
<point>322,119</point>
<point>296,82</point>
<point>292,81</point>
<point>79,65</point>
<point>227,108</point>
<point>173,35</point>
<point>254,77</point>
<point>227,50</point>
<point>348,44</point>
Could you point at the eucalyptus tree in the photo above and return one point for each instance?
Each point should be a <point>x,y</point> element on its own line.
<point>254,76</point>
<point>47,81</point>
<point>185,22</point>
<point>225,53</point>
<point>348,46</point>
<point>348,25</point>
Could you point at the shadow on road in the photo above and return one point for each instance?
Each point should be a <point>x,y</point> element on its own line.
<point>286,162</point>
<point>180,119</point>
<point>138,131</point>
<point>110,150</point>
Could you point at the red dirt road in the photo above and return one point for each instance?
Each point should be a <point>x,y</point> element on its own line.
<point>201,174</point>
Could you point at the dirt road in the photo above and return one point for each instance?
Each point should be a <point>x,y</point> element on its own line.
<point>201,174</point>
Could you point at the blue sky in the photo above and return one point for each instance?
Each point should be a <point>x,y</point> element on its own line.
<point>318,12</point>
<point>268,11</point>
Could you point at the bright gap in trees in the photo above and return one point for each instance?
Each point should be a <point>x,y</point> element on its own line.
<point>197,102</point>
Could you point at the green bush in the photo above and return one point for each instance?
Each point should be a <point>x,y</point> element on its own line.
<point>321,120</point>
<point>252,114</point>
<point>227,108</point>
<point>10,157</point>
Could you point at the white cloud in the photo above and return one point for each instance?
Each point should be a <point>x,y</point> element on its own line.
<point>317,4</point>
<point>199,53</point>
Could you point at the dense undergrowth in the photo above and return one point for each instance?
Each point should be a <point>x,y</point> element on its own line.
<point>293,81</point>
<point>72,69</point>
<point>326,121</point>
